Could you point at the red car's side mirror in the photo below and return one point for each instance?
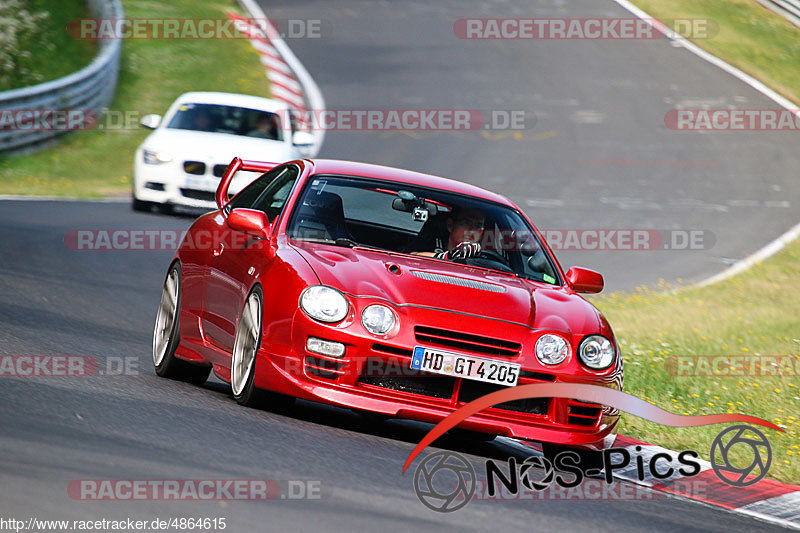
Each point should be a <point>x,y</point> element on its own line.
<point>585,280</point>
<point>250,221</point>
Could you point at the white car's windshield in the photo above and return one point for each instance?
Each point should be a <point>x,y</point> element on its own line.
<point>403,218</point>
<point>227,119</point>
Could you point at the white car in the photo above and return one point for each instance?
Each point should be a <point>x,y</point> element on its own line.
<point>181,162</point>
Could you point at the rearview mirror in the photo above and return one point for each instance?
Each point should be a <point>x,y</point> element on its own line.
<point>414,205</point>
<point>585,280</point>
<point>150,122</point>
<point>251,221</point>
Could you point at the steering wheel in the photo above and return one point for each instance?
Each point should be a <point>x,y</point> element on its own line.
<point>488,259</point>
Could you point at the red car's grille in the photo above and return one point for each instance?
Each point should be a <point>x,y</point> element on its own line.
<point>390,370</point>
<point>393,350</point>
<point>466,341</point>
<point>472,390</point>
<point>434,386</point>
<point>583,414</point>
<point>325,367</point>
<point>395,373</point>
<point>541,376</point>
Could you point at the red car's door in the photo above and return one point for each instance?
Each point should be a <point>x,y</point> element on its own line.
<point>225,288</point>
<point>195,253</point>
<point>236,256</point>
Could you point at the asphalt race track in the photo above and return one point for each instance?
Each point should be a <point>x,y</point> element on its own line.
<point>58,301</point>
<point>598,156</point>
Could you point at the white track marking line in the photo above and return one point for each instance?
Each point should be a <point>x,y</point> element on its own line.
<point>793,233</point>
<point>783,509</point>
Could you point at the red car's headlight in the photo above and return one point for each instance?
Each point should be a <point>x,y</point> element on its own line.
<point>551,349</point>
<point>323,303</point>
<point>596,352</point>
<point>378,319</point>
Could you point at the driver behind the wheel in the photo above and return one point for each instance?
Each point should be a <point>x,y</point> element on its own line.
<point>465,228</point>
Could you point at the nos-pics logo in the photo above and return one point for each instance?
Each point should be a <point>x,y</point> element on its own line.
<point>446,481</point>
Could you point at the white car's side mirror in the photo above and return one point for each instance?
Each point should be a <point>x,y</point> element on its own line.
<point>150,122</point>
<point>302,138</point>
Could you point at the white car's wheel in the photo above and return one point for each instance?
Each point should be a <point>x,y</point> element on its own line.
<point>141,205</point>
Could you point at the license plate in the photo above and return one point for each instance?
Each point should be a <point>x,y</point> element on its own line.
<point>201,183</point>
<point>465,366</point>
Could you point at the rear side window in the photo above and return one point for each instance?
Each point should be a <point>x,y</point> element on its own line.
<point>269,192</point>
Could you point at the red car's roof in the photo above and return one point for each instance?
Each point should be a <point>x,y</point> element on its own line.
<point>367,170</point>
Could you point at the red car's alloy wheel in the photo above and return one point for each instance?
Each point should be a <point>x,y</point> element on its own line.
<point>166,335</point>
<point>245,346</point>
<point>167,317</point>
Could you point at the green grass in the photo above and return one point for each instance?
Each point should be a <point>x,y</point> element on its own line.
<point>55,54</point>
<point>153,73</point>
<point>751,38</point>
<point>753,314</point>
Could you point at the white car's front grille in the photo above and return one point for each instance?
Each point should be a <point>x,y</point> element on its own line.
<point>197,168</point>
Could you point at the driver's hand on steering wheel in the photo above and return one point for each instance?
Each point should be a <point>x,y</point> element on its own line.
<point>463,250</point>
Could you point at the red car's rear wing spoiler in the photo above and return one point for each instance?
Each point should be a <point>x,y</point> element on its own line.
<point>235,166</point>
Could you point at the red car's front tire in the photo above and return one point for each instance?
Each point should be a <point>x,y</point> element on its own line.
<point>166,335</point>
<point>244,357</point>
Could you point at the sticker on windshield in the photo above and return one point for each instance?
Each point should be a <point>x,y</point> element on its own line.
<point>318,185</point>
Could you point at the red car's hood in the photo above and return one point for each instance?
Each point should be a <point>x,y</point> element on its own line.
<point>443,285</point>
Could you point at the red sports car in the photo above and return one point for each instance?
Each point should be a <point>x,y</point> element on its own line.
<point>386,291</point>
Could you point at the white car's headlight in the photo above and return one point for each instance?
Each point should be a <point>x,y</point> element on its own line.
<point>551,349</point>
<point>377,319</point>
<point>151,157</point>
<point>596,352</point>
<point>324,303</point>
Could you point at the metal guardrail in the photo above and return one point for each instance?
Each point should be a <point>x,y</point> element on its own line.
<point>792,6</point>
<point>789,9</point>
<point>90,88</point>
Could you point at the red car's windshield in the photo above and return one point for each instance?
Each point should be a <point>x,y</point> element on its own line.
<point>359,211</point>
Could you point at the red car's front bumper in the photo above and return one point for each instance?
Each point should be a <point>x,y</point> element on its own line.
<point>375,375</point>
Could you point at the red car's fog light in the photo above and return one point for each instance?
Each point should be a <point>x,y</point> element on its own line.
<point>323,347</point>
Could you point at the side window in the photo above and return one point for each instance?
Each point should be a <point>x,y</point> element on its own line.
<point>269,192</point>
